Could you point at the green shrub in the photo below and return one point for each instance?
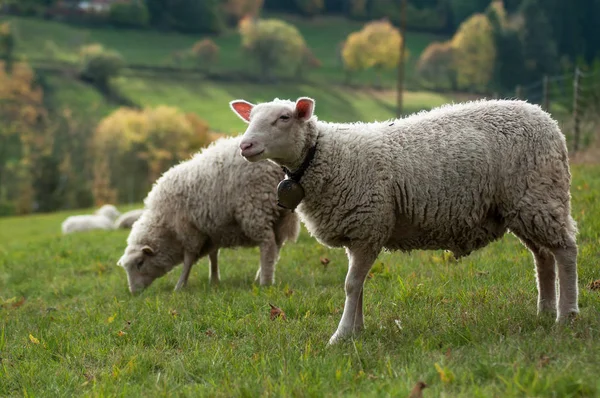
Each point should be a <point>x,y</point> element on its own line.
<point>99,65</point>
<point>129,15</point>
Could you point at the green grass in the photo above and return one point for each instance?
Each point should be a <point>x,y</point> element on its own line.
<point>475,319</point>
<point>211,100</point>
<point>322,35</point>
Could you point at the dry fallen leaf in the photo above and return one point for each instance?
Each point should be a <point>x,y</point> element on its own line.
<point>121,333</point>
<point>277,312</point>
<point>595,285</point>
<point>544,360</point>
<point>210,333</point>
<point>33,339</point>
<point>448,353</point>
<point>174,312</point>
<point>288,292</point>
<point>482,273</point>
<point>325,261</point>
<point>18,303</point>
<point>417,391</point>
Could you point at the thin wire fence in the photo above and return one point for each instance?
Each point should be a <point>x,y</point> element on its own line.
<point>573,98</point>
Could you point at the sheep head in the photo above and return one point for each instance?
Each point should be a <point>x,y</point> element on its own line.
<point>277,130</point>
<point>147,259</point>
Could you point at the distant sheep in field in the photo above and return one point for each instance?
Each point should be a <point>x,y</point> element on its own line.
<point>108,211</point>
<point>126,220</point>
<point>457,178</point>
<point>210,202</point>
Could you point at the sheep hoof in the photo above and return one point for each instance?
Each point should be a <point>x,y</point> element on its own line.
<point>338,337</point>
<point>567,318</point>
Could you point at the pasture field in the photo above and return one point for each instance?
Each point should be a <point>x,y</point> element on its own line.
<point>68,325</point>
<point>41,39</point>
<point>210,100</point>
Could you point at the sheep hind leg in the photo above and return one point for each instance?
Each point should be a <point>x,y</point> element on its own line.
<point>214,274</point>
<point>566,259</point>
<point>361,261</point>
<point>545,266</point>
<point>269,253</point>
<point>550,235</point>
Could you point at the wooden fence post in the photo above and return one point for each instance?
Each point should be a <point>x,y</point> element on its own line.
<point>576,88</point>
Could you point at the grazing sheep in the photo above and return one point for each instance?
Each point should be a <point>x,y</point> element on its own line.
<point>86,222</point>
<point>210,202</point>
<point>455,178</point>
<point>126,220</point>
<point>108,211</point>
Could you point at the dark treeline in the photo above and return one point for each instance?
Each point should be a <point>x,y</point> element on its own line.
<point>570,27</point>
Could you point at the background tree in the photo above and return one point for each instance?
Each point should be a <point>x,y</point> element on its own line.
<point>475,53</point>
<point>436,66</point>
<point>310,7</point>
<point>205,53</point>
<point>188,16</point>
<point>509,63</point>
<point>133,148</point>
<point>235,10</point>
<point>358,8</point>
<point>129,15</point>
<point>273,44</point>
<point>539,49</point>
<point>7,44</point>
<point>22,136</point>
<point>99,65</point>
<point>374,46</point>
<point>463,9</point>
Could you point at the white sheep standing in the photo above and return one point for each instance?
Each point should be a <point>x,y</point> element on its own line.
<point>210,202</point>
<point>455,178</point>
<point>102,218</point>
<point>126,220</point>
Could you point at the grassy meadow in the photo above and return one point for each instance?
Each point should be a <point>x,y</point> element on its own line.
<point>40,39</point>
<point>68,325</point>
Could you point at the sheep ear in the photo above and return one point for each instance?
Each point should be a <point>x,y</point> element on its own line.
<point>304,108</point>
<point>148,251</point>
<point>242,109</point>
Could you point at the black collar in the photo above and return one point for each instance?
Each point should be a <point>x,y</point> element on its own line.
<point>297,175</point>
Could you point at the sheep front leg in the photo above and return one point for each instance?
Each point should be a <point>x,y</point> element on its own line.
<point>214,275</point>
<point>269,252</point>
<point>188,261</point>
<point>360,262</point>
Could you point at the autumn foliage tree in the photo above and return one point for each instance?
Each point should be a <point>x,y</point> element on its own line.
<point>375,46</point>
<point>436,66</point>
<point>475,53</point>
<point>273,44</point>
<point>23,139</point>
<point>205,53</point>
<point>235,10</point>
<point>133,148</point>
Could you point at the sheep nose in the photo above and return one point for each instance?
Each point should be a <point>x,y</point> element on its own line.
<point>245,145</point>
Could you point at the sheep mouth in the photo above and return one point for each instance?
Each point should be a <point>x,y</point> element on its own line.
<point>251,153</point>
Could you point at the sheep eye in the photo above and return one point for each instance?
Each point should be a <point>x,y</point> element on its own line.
<point>284,117</point>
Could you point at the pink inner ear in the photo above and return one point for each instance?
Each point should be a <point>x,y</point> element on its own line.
<point>304,109</point>
<point>243,109</point>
